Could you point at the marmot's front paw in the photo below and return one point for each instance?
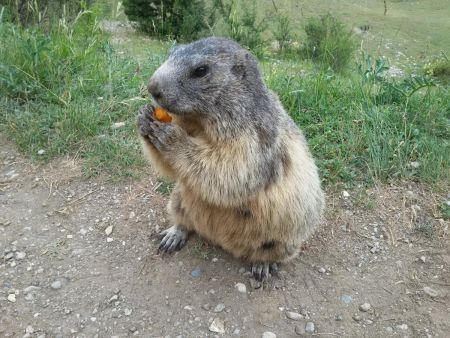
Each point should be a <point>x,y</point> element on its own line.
<point>145,119</point>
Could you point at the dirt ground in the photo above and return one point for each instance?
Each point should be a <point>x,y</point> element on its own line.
<point>78,259</point>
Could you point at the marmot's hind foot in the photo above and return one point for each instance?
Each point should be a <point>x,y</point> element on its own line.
<point>173,239</point>
<point>262,271</point>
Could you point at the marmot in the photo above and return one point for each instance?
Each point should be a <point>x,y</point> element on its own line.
<point>245,179</point>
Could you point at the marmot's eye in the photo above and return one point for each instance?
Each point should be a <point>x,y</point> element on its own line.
<point>200,71</point>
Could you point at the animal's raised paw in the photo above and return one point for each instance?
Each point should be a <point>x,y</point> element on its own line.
<point>173,239</point>
<point>145,120</point>
<point>262,271</point>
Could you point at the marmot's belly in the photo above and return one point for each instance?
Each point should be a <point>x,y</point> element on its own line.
<point>243,233</point>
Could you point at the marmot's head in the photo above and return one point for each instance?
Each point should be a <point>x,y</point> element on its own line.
<point>213,76</point>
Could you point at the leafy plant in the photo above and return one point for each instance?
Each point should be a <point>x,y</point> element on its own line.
<point>328,42</point>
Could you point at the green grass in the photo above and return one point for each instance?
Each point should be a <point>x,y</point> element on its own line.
<point>63,90</point>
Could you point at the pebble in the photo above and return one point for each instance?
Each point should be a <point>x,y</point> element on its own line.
<point>241,270</point>
<point>423,259</point>
<point>206,307</point>
<point>389,329</point>
<point>309,327</point>
<point>109,230</point>
<point>109,239</point>
<point>29,329</point>
<point>338,318</point>
<point>56,285</point>
<point>41,152</point>
<point>20,255</point>
<point>197,272</point>
<point>188,308</point>
<point>300,330</point>
<point>402,327</point>
<point>322,270</point>
<point>215,260</point>
<point>30,289</point>
<point>268,334</point>
<point>347,299</point>
<point>356,318</point>
<point>345,194</point>
<point>217,326</point>
<point>219,308</point>
<point>365,307</point>
<point>430,292</point>
<point>127,312</point>
<point>293,315</point>
<point>12,297</point>
<point>9,255</point>
<point>241,287</point>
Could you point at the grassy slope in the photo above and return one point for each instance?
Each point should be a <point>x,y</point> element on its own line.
<point>351,132</point>
<point>417,29</point>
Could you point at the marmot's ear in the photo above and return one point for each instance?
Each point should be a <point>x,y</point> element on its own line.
<point>239,67</point>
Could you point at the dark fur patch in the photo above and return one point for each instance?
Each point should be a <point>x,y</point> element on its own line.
<point>245,213</point>
<point>268,245</point>
<point>285,160</point>
<point>266,135</point>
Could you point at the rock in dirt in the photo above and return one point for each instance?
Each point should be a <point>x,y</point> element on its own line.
<point>12,297</point>
<point>197,272</point>
<point>20,255</point>
<point>109,230</point>
<point>127,312</point>
<point>206,307</point>
<point>430,292</point>
<point>241,287</point>
<point>300,330</point>
<point>293,315</point>
<point>310,328</point>
<point>365,307</point>
<point>56,285</point>
<point>29,329</point>
<point>268,334</point>
<point>217,326</point>
<point>219,308</point>
<point>402,327</point>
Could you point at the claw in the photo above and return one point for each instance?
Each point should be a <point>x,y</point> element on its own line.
<point>262,271</point>
<point>173,238</point>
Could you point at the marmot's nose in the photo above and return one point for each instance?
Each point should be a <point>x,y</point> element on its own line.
<point>153,89</point>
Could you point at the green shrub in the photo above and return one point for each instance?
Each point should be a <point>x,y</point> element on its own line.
<point>178,19</point>
<point>283,33</point>
<point>328,42</point>
<point>242,24</point>
<point>439,68</point>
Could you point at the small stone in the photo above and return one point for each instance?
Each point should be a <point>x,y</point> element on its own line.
<point>20,255</point>
<point>241,270</point>
<point>217,326</point>
<point>389,329</point>
<point>219,308</point>
<point>300,330</point>
<point>206,307</point>
<point>293,315</point>
<point>29,329</point>
<point>241,287</point>
<point>30,289</point>
<point>338,318</point>
<point>117,125</point>
<point>109,239</point>
<point>322,270</point>
<point>309,327</point>
<point>345,194</point>
<point>347,299</point>
<point>127,312</point>
<point>56,285</point>
<point>9,255</point>
<point>188,308</point>
<point>423,259</point>
<point>197,272</point>
<point>402,327</point>
<point>41,152</point>
<point>255,284</point>
<point>414,164</point>
<point>365,307</point>
<point>430,292</point>
<point>215,260</point>
<point>12,297</point>
<point>268,334</point>
<point>356,318</point>
<point>369,322</point>
<point>109,230</point>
